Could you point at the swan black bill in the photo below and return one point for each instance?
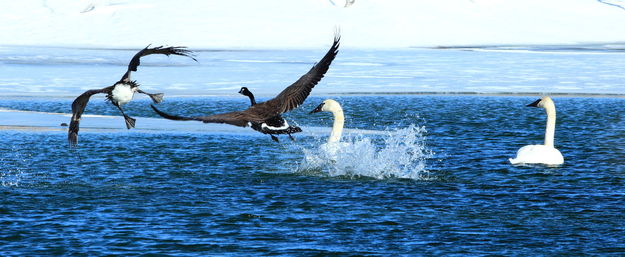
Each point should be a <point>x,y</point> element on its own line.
<point>318,109</point>
<point>534,104</point>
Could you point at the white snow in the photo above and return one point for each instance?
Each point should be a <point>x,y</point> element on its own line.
<point>308,23</point>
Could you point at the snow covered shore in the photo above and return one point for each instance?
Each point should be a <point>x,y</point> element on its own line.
<point>248,24</point>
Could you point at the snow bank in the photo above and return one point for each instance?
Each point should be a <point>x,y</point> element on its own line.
<point>307,23</point>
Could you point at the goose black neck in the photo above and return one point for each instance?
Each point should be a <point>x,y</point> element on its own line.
<point>251,96</point>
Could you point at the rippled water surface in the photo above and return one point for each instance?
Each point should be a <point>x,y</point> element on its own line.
<point>417,175</point>
<point>199,193</point>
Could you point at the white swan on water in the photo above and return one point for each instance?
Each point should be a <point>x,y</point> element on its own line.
<point>546,153</point>
<point>334,143</point>
<point>334,107</point>
<point>402,154</point>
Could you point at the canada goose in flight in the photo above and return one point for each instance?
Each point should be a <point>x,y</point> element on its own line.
<point>122,91</point>
<point>266,114</point>
<point>275,125</point>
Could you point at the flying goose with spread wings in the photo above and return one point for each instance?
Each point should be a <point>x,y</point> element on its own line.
<point>266,117</point>
<point>122,91</point>
<point>274,126</point>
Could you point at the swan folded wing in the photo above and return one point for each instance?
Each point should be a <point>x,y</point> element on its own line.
<point>538,154</point>
<point>294,95</point>
<point>135,61</point>
<point>78,107</point>
<point>231,118</point>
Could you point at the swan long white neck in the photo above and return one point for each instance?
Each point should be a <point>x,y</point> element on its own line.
<point>551,125</point>
<point>337,127</point>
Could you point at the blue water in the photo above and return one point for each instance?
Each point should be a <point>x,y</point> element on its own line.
<point>434,180</point>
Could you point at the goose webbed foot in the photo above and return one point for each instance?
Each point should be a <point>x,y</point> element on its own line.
<point>291,137</point>
<point>274,138</point>
<point>156,98</point>
<point>130,122</point>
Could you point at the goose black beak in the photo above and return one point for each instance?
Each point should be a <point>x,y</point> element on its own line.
<point>318,109</point>
<point>242,90</point>
<point>534,104</point>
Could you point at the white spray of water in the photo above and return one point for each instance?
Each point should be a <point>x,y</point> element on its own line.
<point>12,165</point>
<point>402,154</point>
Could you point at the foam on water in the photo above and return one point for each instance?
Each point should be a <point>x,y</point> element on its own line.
<point>12,166</point>
<point>399,153</point>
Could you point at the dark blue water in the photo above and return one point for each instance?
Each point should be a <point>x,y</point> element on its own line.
<point>184,193</point>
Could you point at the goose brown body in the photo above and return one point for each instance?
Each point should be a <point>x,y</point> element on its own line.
<point>290,98</point>
<point>274,126</point>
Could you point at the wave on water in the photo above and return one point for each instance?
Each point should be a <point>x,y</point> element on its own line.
<point>399,153</point>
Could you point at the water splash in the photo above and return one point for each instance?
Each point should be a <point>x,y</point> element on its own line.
<point>12,164</point>
<point>401,153</point>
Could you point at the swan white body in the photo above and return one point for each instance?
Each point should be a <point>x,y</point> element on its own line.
<point>546,153</point>
<point>538,154</point>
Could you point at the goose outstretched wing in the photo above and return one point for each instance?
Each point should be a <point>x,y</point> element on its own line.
<point>233,118</point>
<point>78,107</point>
<point>175,50</point>
<point>294,95</point>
